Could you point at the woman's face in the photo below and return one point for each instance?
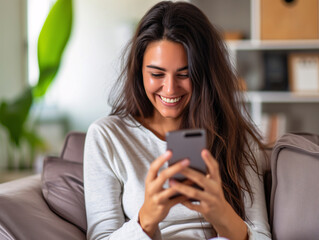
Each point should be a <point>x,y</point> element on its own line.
<point>166,79</point>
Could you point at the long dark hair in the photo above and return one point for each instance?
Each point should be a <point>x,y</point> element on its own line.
<point>216,104</point>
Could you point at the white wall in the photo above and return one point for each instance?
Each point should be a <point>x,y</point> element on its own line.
<point>13,51</point>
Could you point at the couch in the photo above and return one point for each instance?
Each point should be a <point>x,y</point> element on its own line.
<point>51,205</point>
<point>24,212</point>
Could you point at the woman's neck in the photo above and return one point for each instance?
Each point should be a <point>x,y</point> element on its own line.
<point>160,126</point>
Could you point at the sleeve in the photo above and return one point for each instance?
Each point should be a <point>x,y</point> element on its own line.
<point>257,219</point>
<point>103,191</point>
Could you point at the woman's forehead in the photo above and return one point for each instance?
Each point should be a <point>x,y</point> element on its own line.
<point>165,53</point>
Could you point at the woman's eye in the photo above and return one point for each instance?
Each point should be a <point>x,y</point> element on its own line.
<point>182,76</point>
<point>157,75</point>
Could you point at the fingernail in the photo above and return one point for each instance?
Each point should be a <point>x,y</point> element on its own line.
<point>166,153</point>
<point>205,153</point>
<point>185,162</point>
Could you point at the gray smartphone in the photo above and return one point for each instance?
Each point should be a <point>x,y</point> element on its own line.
<point>187,143</point>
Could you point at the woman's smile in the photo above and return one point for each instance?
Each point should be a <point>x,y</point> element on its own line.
<point>170,101</point>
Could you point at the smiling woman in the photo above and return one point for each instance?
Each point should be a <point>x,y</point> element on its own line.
<point>177,75</point>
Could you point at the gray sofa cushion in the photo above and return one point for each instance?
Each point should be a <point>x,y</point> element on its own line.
<point>294,201</point>
<point>24,214</point>
<point>62,188</point>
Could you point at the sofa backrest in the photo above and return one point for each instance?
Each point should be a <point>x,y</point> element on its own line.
<point>294,212</point>
<point>62,181</point>
<point>73,147</point>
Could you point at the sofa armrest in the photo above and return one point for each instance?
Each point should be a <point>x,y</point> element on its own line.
<point>25,215</point>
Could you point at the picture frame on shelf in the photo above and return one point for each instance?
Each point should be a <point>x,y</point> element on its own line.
<point>304,73</point>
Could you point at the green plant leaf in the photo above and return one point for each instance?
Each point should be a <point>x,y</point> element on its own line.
<point>33,139</point>
<point>52,40</point>
<point>14,114</point>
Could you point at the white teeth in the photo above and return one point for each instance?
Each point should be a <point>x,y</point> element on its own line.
<point>170,100</point>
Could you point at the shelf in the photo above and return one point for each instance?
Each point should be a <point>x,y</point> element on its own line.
<point>257,99</point>
<point>253,45</point>
<point>281,97</point>
<point>250,59</point>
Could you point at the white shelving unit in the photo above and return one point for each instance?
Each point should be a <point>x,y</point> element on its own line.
<point>252,45</point>
<point>257,99</point>
<point>302,111</point>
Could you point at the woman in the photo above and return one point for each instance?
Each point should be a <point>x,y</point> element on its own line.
<point>177,75</point>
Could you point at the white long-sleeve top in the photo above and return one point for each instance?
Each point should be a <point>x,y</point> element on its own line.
<point>117,156</point>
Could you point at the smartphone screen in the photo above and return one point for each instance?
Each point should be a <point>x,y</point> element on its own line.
<point>187,143</point>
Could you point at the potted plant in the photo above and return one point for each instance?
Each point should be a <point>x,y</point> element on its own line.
<point>15,115</point>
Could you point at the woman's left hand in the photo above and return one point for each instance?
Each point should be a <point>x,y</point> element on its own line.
<point>213,205</point>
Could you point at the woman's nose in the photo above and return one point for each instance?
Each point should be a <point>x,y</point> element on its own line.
<point>170,85</point>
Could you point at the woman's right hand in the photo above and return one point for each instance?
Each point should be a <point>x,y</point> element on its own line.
<point>157,202</point>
